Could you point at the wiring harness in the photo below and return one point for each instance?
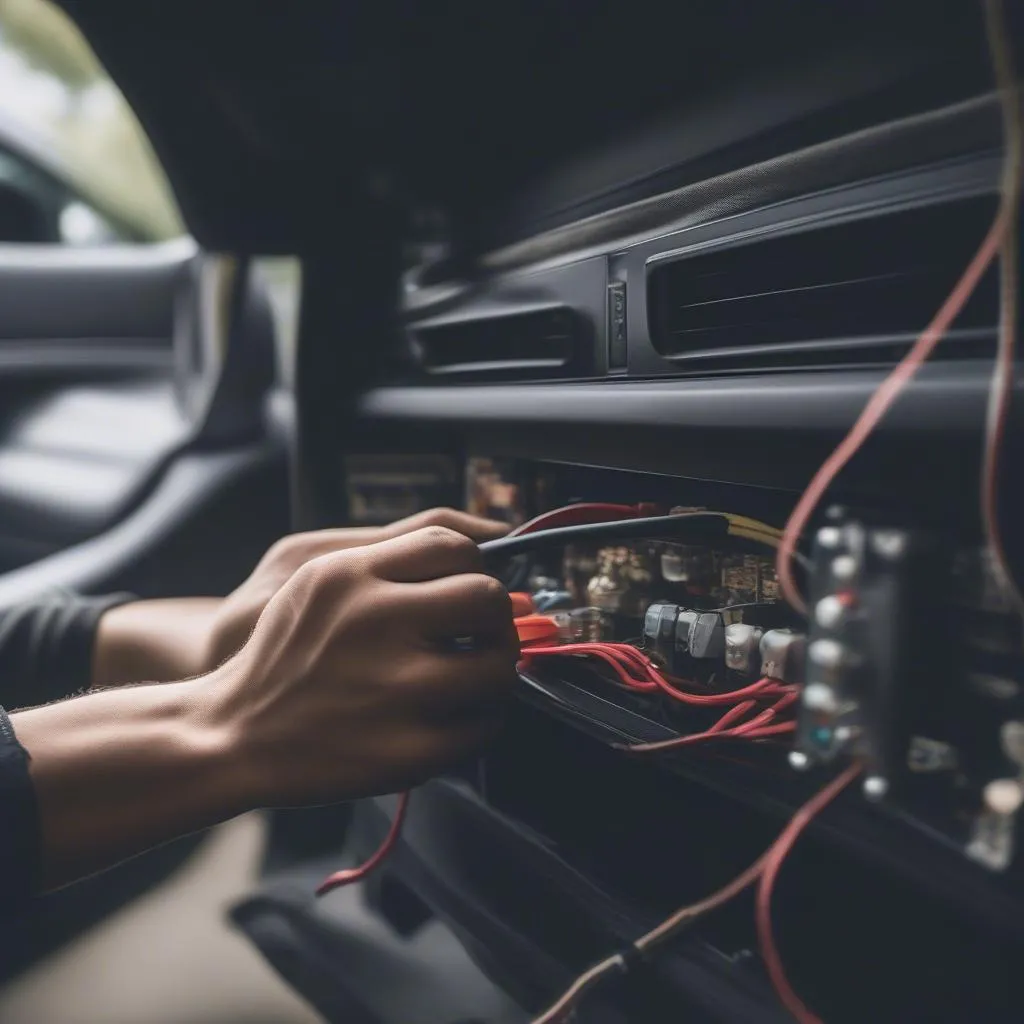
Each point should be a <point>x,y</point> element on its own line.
<point>635,671</point>
<point>751,713</point>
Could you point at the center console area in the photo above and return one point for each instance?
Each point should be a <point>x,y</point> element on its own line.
<point>663,367</point>
<point>561,844</point>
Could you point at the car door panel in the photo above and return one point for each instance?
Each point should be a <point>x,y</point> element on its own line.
<point>194,533</point>
<point>88,390</point>
<point>119,299</point>
<point>74,460</point>
<point>111,362</point>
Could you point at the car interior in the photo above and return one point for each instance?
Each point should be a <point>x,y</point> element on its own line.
<point>714,304</point>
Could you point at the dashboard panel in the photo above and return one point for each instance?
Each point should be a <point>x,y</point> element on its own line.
<point>701,353</point>
<point>559,776</point>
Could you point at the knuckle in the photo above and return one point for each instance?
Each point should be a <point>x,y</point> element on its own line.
<point>281,549</point>
<point>308,574</point>
<point>328,571</point>
<point>440,516</point>
<point>450,540</point>
<point>309,580</point>
<point>293,551</point>
<point>488,593</point>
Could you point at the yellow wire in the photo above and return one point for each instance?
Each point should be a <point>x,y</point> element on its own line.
<point>768,539</point>
<point>751,524</point>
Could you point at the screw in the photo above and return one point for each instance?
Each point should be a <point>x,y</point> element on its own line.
<point>829,537</point>
<point>875,787</point>
<point>829,654</point>
<point>819,697</point>
<point>1004,796</point>
<point>799,761</point>
<point>829,611</point>
<point>844,567</point>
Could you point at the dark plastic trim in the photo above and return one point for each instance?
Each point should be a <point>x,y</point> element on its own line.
<point>943,398</point>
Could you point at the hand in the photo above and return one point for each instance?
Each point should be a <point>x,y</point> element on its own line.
<point>235,618</point>
<point>350,683</point>
<point>157,641</point>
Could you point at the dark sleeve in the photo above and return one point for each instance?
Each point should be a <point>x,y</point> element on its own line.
<point>45,653</point>
<point>19,825</point>
<point>46,646</point>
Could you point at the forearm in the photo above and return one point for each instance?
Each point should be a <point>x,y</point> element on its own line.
<point>153,641</point>
<point>124,770</point>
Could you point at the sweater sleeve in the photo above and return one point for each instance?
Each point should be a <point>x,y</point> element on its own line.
<point>19,823</point>
<point>46,649</point>
<point>46,646</point>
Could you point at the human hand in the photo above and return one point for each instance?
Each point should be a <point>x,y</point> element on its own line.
<point>161,640</point>
<point>350,683</point>
<point>234,619</point>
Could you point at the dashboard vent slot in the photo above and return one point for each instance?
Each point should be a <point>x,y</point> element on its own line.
<point>540,343</point>
<point>854,292</point>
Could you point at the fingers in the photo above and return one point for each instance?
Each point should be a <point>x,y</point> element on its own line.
<point>432,555</point>
<point>434,747</point>
<point>290,552</point>
<point>451,679</point>
<point>470,685</point>
<point>471,526</point>
<point>468,605</point>
<point>427,554</point>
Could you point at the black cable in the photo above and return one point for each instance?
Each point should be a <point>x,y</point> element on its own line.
<point>691,527</point>
<point>517,574</point>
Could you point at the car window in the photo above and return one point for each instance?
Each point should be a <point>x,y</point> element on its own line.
<point>75,166</point>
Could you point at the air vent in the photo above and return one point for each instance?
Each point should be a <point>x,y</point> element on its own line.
<point>541,343</point>
<point>856,292</point>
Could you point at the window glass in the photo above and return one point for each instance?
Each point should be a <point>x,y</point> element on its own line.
<point>75,166</point>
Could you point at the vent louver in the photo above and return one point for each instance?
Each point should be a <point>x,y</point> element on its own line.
<point>542,343</point>
<point>854,292</point>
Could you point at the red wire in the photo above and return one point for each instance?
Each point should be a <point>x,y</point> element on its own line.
<point>769,714</point>
<point>635,662</point>
<point>561,1010</point>
<point>879,404</point>
<point>778,729</point>
<point>733,714</point>
<point>1002,383</point>
<point>625,660</point>
<point>773,862</point>
<point>611,654</point>
<point>357,874</point>
<point>630,665</point>
<point>762,688</point>
<point>762,732</point>
<point>624,657</point>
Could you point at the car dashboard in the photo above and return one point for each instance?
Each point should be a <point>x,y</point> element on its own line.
<point>702,352</point>
<point>675,362</point>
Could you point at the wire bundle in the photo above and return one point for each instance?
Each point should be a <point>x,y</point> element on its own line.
<point>636,671</point>
<point>631,667</point>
